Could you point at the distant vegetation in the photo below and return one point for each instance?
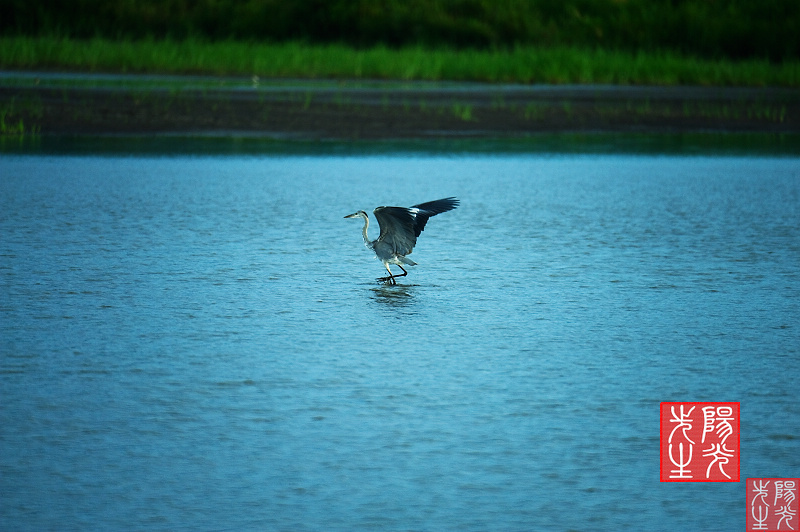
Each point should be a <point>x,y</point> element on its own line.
<point>521,64</point>
<point>667,42</point>
<point>712,29</point>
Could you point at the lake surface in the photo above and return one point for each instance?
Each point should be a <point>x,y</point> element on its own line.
<point>199,342</point>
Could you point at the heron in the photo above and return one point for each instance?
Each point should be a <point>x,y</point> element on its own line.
<point>400,227</point>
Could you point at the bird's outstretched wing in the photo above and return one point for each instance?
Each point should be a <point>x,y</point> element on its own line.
<point>400,226</point>
<point>431,208</point>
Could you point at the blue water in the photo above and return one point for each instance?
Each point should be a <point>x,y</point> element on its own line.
<point>199,343</point>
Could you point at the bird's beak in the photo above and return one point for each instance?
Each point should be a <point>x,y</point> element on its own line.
<point>352,215</point>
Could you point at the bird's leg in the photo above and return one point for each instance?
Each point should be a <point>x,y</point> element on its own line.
<point>389,279</point>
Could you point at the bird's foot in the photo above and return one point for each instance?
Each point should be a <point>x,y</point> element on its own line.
<point>387,280</point>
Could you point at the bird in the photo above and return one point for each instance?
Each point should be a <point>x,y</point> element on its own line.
<point>400,227</point>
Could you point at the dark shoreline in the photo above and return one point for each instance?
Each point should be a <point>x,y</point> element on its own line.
<point>385,110</point>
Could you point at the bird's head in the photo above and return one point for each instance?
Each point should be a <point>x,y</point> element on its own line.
<point>359,214</point>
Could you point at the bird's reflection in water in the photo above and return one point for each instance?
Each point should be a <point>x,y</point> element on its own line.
<point>394,296</point>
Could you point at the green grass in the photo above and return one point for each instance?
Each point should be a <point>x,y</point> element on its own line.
<point>522,64</point>
<point>12,124</point>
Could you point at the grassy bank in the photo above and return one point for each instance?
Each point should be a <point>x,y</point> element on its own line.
<point>520,64</point>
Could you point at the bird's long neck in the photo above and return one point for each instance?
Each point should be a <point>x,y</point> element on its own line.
<point>364,230</point>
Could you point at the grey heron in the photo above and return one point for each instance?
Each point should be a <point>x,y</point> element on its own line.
<point>400,227</point>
